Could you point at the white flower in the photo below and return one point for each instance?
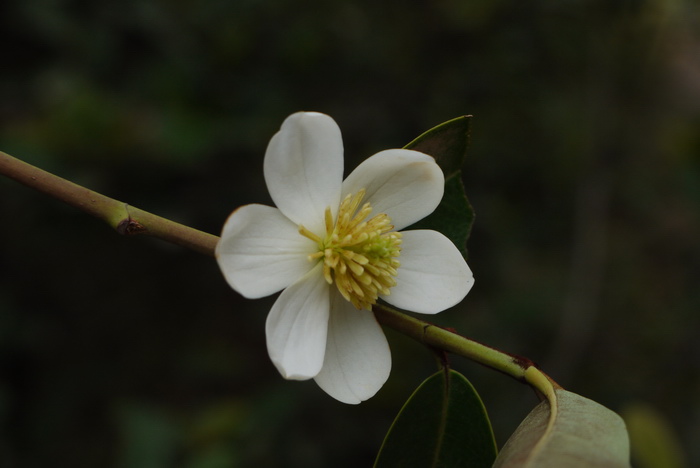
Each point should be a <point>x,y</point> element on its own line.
<point>332,247</point>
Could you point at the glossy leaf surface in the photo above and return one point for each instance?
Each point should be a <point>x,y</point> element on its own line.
<point>443,424</point>
<point>447,143</point>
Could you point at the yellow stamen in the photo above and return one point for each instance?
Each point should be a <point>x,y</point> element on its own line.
<point>359,255</point>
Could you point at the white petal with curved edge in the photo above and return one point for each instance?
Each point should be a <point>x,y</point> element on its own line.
<point>261,251</point>
<point>405,184</point>
<point>358,360</point>
<point>433,275</point>
<point>304,168</point>
<point>297,327</point>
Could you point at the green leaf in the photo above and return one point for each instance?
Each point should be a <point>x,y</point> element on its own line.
<point>443,424</point>
<point>454,215</point>
<point>573,431</point>
<point>654,442</point>
<point>448,143</point>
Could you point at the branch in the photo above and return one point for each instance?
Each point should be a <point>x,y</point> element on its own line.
<point>126,220</point>
<point>520,368</point>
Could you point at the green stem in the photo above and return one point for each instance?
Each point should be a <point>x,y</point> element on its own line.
<point>129,220</point>
<point>126,220</point>
<point>441,338</point>
<point>542,382</point>
<point>520,368</point>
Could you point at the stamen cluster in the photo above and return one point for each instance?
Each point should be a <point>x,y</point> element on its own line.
<point>358,254</point>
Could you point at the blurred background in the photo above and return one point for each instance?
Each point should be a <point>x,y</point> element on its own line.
<point>584,172</point>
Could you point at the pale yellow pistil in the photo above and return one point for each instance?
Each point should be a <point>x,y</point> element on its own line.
<point>359,255</point>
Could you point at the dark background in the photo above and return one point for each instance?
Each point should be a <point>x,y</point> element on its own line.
<point>584,172</point>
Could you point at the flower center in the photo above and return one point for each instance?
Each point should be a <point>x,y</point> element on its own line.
<point>359,254</point>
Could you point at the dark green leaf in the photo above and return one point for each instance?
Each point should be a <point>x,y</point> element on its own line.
<point>443,424</point>
<point>448,143</point>
<point>454,215</point>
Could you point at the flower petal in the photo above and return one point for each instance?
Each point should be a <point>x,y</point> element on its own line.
<point>405,184</point>
<point>261,251</point>
<point>304,168</point>
<point>433,274</point>
<point>297,327</point>
<point>358,360</point>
